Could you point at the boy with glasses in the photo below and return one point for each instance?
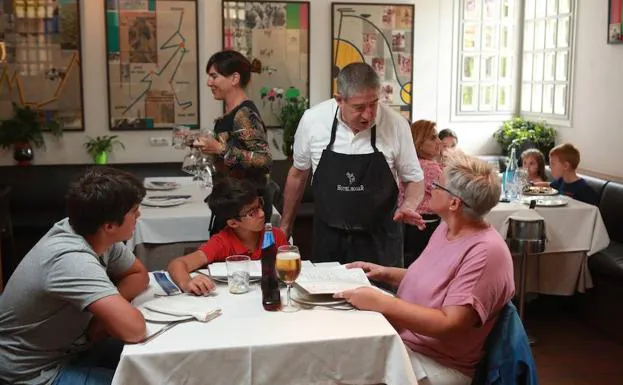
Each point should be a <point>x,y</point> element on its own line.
<point>237,202</point>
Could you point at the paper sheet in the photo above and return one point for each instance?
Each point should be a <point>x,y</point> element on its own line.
<point>330,280</point>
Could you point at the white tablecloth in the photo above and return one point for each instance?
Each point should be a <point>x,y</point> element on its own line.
<point>576,232</point>
<point>247,345</point>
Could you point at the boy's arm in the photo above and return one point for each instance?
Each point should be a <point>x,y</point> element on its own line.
<point>120,319</point>
<point>180,268</point>
<point>134,281</point>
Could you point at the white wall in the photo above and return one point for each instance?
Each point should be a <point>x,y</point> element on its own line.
<point>70,148</point>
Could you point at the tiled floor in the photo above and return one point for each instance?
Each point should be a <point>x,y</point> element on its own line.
<point>568,351</point>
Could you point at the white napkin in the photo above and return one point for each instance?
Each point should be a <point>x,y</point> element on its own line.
<point>199,308</point>
<point>524,215</point>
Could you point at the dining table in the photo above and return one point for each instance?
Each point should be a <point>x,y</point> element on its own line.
<point>247,345</point>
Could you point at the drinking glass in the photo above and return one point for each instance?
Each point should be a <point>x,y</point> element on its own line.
<point>238,273</point>
<point>179,135</point>
<point>190,164</point>
<point>288,266</point>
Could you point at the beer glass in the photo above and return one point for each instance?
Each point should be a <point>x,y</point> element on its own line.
<point>288,267</point>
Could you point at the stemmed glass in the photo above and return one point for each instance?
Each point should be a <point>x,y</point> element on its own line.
<point>288,266</point>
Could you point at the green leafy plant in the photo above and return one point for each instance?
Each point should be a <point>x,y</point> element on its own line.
<point>102,144</point>
<point>27,126</point>
<point>290,116</point>
<point>522,134</point>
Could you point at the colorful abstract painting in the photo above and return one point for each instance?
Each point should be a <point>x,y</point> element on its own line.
<point>382,36</point>
<point>274,36</point>
<point>615,22</point>
<point>153,74</point>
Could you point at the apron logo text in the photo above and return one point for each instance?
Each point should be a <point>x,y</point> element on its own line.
<point>351,180</point>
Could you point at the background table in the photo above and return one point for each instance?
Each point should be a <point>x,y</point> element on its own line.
<point>247,345</point>
<point>576,231</point>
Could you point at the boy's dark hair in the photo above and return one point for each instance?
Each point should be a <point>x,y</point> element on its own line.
<point>229,196</point>
<point>447,132</point>
<point>102,195</point>
<point>228,62</point>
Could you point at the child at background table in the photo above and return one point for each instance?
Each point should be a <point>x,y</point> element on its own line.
<point>236,201</point>
<point>563,161</point>
<point>533,161</point>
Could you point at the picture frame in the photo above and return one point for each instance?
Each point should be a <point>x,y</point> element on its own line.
<point>275,37</point>
<point>152,64</point>
<point>382,36</point>
<point>44,74</point>
<point>615,21</point>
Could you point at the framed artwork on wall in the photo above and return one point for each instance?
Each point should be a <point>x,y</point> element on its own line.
<point>40,60</point>
<point>274,36</point>
<point>152,64</point>
<point>615,21</point>
<point>382,36</point>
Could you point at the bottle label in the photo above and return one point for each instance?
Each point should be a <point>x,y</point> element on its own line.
<point>269,239</point>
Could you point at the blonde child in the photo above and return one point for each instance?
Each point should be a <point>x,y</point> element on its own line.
<point>533,161</point>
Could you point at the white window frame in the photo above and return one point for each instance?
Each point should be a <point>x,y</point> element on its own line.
<point>497,116</point>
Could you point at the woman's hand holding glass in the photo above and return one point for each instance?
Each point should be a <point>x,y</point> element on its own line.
<point>288,267</point>
<point>209,144</point>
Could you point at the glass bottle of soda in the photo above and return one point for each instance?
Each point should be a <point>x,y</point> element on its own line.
<point>271,296</point>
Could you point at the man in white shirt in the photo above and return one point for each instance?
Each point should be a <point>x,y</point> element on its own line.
<point>357,149</point>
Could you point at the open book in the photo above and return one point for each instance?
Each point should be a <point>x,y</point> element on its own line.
<point>330,280</point>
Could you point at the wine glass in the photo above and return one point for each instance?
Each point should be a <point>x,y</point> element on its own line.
<point>288,266</point>
<point>191,162</point>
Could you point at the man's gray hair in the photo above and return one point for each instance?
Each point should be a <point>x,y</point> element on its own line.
<point>355,78</point>
<point>475,182</point>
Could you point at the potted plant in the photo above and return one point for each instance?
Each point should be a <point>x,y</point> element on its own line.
<point>523,134</point>
<point>24,130</point>
<point>100,146</point>
<point>290,116</point>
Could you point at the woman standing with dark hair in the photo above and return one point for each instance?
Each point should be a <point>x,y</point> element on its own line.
<point>240,146</point>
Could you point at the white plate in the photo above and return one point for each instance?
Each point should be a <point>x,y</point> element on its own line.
<point>540,191</point>
<point>546,202</point>
<point>161,185</point>
<point>153,316</point>
<point>163,202</point>
<point>315,300</point>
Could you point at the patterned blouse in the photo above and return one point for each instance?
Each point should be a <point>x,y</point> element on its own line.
<point>432,171</point>
<point>247,153</point>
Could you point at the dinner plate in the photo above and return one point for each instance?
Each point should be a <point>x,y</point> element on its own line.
<point>546,202</point>
<point>163,202</point>
<point>540,191</point>
<point>315,300</point>
<point>161,185</point>
<point>154,316</point>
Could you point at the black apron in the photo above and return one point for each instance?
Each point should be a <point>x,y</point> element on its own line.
<point>354,203</point>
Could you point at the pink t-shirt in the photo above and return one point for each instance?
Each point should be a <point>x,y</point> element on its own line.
<point>475,270</point>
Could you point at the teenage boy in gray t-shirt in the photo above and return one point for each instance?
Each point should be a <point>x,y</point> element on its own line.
<point>74,286</point>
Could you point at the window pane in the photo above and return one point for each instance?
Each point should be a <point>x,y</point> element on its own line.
<point>505,67</point>
<point>548,99</point>
<point>560,99</point>
<point>508,9</point>
<point>491,10</point>
<point>527,67</point>
<point>488,70</point>
<point>539,34</point>
<point>504,98</point>
<point>487,98</point>
<point>469,97</point>
<point>470,68</point>
<point>526,93</point>
<point>529,10</point>
<point>506,36</point>
<point>561,66</point>
<point>551,7</point>
<point>563,32</point>
<point>528,36</point>
<point>537,69</point>
<point>488,37</point>
<point>550,66</point>
<point>470,36</point>
<point>550,34</point>
<point>540,8</point>
<point>471,9</point>
<point>564,6</point>
<point>537,96</point>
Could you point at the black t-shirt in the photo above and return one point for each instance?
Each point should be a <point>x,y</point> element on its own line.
<point>578,190</point>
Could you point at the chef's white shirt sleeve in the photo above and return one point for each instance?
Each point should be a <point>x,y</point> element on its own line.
<point>302,149</point>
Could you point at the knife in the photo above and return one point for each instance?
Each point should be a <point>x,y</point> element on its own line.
<point>169,197</point>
